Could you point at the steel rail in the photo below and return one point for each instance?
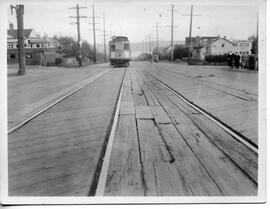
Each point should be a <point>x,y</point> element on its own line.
<point>247,142</point>
<point>53,102</point>
<point>219,87</point>
<point>106,160</point>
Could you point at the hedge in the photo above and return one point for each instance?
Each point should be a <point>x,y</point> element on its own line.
<point>216,58</point>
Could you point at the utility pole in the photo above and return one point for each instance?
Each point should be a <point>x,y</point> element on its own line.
<point>94,33</point>
<point>104,37</point>
<point>146,47</point>
<point>149,44</point>
<point>172,47</point>
<point>157,36</point>
<point>190,31</point>
<point>20,31</point>
<point>78,29</point>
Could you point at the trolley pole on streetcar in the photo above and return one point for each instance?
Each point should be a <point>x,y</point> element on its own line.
<point>78,30</point>
<point>21,52</point>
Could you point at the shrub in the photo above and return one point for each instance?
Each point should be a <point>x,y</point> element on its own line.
<point>58,61</point>
<point>180,52</point>
<point>216,58</point>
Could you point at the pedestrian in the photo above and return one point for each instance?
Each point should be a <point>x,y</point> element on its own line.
<point>236,60</point>
<point>230,61</point>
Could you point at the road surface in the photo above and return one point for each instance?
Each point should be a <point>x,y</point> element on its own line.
<point>148,130</point>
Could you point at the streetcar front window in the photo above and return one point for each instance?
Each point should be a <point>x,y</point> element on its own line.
<point>126,46</point>
<point>113,48</point>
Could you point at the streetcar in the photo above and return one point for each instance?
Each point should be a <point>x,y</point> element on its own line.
<point>119,51</point>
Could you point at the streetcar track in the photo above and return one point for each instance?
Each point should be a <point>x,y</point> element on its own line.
<point>219,88</point>
<point>238,136</point>
<point>100,177</point>
<point>55,101</point>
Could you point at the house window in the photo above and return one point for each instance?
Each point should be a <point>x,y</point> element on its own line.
<point>12,56</point>
<point>222,45</point>
<point>28,56</point>
<point>38,45</point>
<point>214,46</point>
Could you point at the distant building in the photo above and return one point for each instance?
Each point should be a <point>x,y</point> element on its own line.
<point>220,46</point>
<point>207,45</point>
<point>244,47</point>
<point>38,51</point>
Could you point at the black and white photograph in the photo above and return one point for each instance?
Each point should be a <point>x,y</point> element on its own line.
<point>133,102</point>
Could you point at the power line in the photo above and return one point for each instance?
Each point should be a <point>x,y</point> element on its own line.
<point>78,17</point>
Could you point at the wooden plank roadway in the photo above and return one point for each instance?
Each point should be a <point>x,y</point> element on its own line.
<point>231,107</point>
<point>56,154</point>
<point>166,148</point>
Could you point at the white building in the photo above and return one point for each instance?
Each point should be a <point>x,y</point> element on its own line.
<point>243,47</point>
<point>220,46</point>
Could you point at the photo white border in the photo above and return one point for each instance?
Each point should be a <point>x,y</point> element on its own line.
<point>5,199</point>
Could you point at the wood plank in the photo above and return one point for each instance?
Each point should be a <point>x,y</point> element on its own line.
<point>160,115</point>
<point>139,97</point>
<point>230,179</point>
<point>163,179</point>
<point>152,146</point>
<point>139,100</point>
<point>238,152</point>
<point>143,112</point>
<point>127,94</point>
<point>189,168</point>
<point>127,108</point>
<point>124,174</point>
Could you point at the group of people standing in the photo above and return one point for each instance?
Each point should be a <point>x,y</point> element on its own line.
<point>233,60</point>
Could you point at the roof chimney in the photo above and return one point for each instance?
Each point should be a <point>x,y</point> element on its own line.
<point>11,26</point>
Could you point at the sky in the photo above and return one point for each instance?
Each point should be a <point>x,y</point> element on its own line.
<point>137,19</point>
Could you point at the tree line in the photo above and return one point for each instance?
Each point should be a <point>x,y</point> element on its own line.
<point>69,48</point>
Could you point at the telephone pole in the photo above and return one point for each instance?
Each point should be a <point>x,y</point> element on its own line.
<point>157,36</point>
<point>190,31</point>
<point>149,44</point>
<point>104,38</point>
<point>94,33</point>
<point>20,31</point>
<point>172,47</point>
<point>78,29</point>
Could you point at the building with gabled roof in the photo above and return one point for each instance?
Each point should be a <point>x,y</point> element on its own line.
<point>37,50</point>
<point>220,46</point>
